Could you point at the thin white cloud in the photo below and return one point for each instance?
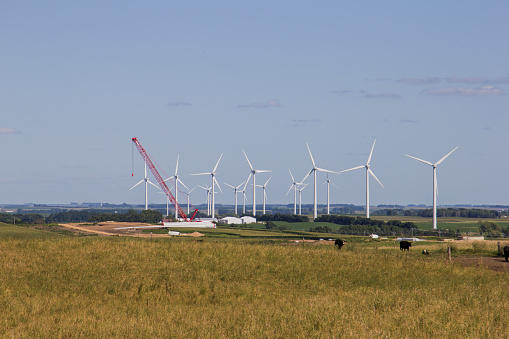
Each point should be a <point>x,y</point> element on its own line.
<point>418,81</point>
<point>478,80</point>
<point>465,92</point>
<point>7,130</point>
<point>178,103</point>
<point>267,104</point>
<point>382,96</point>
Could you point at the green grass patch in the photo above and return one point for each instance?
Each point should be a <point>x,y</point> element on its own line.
<point>19,232</point>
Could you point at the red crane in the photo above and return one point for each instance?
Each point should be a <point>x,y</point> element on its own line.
<point>161,182</point>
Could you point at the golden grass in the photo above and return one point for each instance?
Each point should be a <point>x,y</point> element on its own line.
<point>118,287</point>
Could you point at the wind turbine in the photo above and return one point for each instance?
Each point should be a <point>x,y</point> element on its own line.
<point>207,189</point>
<point>300,198</point>
<point>189,193</point>
<point>253,173</point>
<point>435,186</point>
<point>368,172</point>
<point>145,179</point>
<point>244,195</point>
<point>214,182</point>
<point>236,190</point>
<point>294,186</point>
<point>264,193</point>
<point>328,182</point>
<point>177,180</point>
<point>167,202</point>
<point>315,169</point>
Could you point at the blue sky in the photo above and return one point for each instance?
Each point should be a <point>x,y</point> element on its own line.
<point>80,79</point>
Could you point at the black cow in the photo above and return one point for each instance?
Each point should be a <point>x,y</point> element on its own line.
<point>405,245</point>
<point>339,243</point>
<point>506,253</point>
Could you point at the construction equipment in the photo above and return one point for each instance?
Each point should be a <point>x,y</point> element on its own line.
<point>161,182</point>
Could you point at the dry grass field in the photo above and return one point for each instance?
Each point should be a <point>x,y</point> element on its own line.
<point>105,287</point>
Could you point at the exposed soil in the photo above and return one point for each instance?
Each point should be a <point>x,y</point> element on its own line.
<point>120,229</point>
<point>493,263</point>
<point>113,228</point>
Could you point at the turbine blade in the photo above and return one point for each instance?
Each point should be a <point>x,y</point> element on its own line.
<point>177,167</point>
<point>312,160</point>
<point>324,170</point>
<point>351,169</point>
<point>267,181</point>
<point>206,189</point>
<point>239,185</point>
<point>263,171</point>
<point>307,175</point>
<point>214,170</point>
<point>183,184</point>
<point>201,174</point>
<point>374,176</point>
<point>249,177</point>
<point>229,185</point>
<point>251,167</point>
<point>424,161</point>
<point>150,182</point>
<point>333,184</point>
<point>293,180</point>
<point>371,153</point>
<point>439,161</point>
<point>217,183</point>
<point>136,184</point>
<point>290,189</point>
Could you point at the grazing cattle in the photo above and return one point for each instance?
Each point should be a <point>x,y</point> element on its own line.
<point>506,253</point>
<point>339,243</point>
<point>405,245</point>
<point>425,252</point>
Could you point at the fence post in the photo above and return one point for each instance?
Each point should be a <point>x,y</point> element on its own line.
<point>449,253</point>
<point>499,254</point>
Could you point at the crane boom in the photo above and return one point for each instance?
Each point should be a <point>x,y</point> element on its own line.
<point>160,180</point>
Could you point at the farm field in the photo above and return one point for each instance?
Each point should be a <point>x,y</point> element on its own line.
<point>220,287</point>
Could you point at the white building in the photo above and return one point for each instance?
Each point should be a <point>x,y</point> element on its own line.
<point>248,220</point>
<point>230,220</point>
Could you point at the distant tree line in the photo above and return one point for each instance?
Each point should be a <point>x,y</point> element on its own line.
<point>148,216</point>
<point>364,226</point>
<point>283,217</point>
<point>441,212</point>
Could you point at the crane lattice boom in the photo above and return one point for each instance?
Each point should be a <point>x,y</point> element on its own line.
<point>160,180</point>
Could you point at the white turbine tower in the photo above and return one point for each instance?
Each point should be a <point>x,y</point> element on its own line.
<point>177,180</point>
<point>244,199</point>
<point>300,198</point>
<point>188,194</point>
<point>253,173</point>
<point>236,190</point>
<point>435,186</point>
<point>264,193</point>
<point>328,182</point>
<point>207,189</point>
<point>294,186</point>
<point>214,182</point>
<point>368,172</point>
<point>145,179</point>
<point>315,169</point>
<point>167,202</point>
